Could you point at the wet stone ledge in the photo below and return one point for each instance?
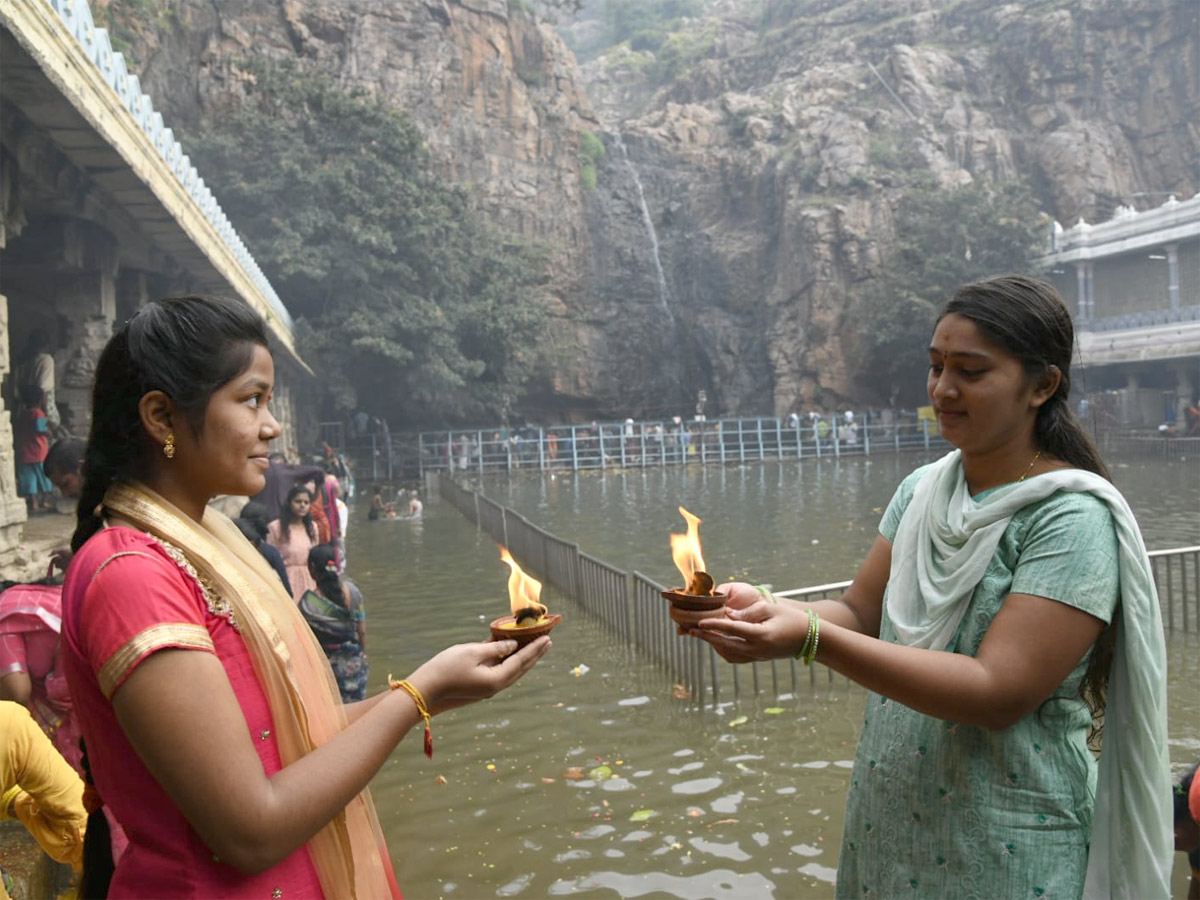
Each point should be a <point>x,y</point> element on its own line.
<point>34,874</point>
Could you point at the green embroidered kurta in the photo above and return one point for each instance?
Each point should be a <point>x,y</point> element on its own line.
<point>939,809</point>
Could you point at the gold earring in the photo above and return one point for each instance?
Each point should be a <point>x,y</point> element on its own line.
<point>169,447</point>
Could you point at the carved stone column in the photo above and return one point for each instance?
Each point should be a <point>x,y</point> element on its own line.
<point>76,377</point>
<point>12,507</point>
<point>282,410</point>
<point>12,213</point>
<point>1131,406</point>
<point>90,298</point>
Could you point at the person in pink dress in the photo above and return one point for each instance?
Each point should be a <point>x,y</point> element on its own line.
<point>30,620</point>
<point>294,534</point>
<point>30,674</point>
<point>212,724</point>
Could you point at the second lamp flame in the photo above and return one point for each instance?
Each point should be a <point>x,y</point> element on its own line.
<point>685,548</point>
<point>524,592</point>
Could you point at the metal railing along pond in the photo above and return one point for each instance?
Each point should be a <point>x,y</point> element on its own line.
<point>618,445</point>
<point>1148,445</point>
<point>1177,578</point>
<point>630,604</point>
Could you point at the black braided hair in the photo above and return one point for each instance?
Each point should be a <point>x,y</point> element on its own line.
<point>186,347</point>
<point>98,864</point>
<point>322,565</point>
<point>256,514</point>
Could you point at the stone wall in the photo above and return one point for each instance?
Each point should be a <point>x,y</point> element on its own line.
<point>12,507</point>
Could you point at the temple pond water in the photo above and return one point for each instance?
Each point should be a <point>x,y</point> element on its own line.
<point>589,778</point>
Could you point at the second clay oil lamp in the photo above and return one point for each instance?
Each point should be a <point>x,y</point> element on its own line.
<point>530,619</point>
<point>697,600</point>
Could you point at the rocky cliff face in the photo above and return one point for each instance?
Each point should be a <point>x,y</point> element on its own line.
<point>737,207</point>
<point>495,93</point>
<point>772,165</point>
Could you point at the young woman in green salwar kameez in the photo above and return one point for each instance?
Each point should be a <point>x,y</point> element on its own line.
<point>1005,602</point>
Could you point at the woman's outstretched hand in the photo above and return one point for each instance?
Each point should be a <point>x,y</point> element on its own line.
<point>466,673</point>
<point>738,595</point>
<point>753,627</point>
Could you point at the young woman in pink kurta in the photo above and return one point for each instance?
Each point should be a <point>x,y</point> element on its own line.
<point>106,639</point>
<point>293,534</point>
<point>212,722</point>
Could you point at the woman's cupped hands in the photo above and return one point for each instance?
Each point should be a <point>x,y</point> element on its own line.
<point>752,627</point>
<point>466,673</point>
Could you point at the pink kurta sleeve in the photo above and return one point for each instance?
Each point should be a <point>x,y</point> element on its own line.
<point>274,534</point>
<point>138,602</point>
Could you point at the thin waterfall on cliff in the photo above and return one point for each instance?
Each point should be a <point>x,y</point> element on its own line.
<point>663,288</point>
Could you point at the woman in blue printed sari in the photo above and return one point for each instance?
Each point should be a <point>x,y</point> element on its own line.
<point>335,613</point>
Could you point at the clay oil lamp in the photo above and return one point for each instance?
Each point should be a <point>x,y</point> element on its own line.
<point>698,600</point>
<point>529,619</point>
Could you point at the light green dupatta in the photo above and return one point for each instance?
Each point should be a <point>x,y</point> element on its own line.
<point>943,545</point>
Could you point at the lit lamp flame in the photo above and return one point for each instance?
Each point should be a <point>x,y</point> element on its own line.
<point>523,593</point>
<point>685,551</point>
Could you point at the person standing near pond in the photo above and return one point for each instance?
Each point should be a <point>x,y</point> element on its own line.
<point>212,723</point>
<point>35,374</point>
<point>252,523</point>
<point>1006,601</point>
<point>822,428</point>
<point>316,509</point>
<point>294,534</point>
<point>281,477</point>
<point>31,439</point>
<point>335,613</point>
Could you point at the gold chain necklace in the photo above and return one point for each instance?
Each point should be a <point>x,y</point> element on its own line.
<point>1036,456</point>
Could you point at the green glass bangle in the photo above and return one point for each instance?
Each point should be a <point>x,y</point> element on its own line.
<point>765,593</point>
<point>811,655</point>
<point>802,653</point>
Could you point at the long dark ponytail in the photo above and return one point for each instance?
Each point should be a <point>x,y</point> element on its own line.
<point>1028,318</point>
<point>97,842</point>
<point>186,347</point>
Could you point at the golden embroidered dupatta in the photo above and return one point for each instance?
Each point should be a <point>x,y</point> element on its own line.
<point>349,853</point>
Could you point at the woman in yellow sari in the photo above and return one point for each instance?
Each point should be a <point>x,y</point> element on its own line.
<point>212,721</point>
